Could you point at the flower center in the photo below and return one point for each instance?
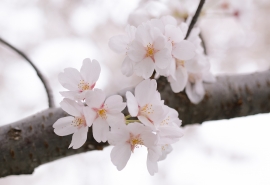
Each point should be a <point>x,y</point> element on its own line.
<point>79,122</point>
<point>135,142</point>
<point>83,86</point>
<point>102,113</point>
<point>150,51</point>
<point>165,121</point>
<point>147,109</point>
<point>180,63</point>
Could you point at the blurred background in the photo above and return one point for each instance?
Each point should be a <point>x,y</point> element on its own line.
<point>56,34</point>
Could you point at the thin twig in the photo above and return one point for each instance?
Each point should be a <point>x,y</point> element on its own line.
<point>203,43</point>
<point>195,17</point>
<point>41,77</point>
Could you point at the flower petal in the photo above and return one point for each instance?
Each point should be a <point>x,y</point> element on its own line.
<point>132,104</point>
<point>163,58</point>
<point>183,50</point>
<point>70,79</point>
<point>114,104</point>
<point>181,80</point>
<point>120,155</point>
<point>145,68</point>
<point>100,130</point>
<point>90,71</point>
<point>144,91</point>
<point>137,51</point>
<point>79,138</point>
<point>95,98</point>
<point>195,92</point>
<point>119,43</point>
<point>127,67</point>
<point>71,107</point>
<point>90,115</point>
<point>63,126</point>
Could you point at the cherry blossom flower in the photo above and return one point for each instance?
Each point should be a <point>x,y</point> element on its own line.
<point>102,113</point>
<point>149,50</point>
<point>75,124</point>
<point>146,104</point>
<point>120,44</point>
<point>126,139</point>
<point>79,83</point>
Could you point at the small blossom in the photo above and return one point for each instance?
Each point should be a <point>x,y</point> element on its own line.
<point>79,83</point>
<point>75,124</point>
<point>101,112</point>
<point>126,139</point>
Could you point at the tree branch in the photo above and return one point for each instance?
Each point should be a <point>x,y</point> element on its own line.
<point>195,17</point>
<point>39,74</point>
<point>31,142</point>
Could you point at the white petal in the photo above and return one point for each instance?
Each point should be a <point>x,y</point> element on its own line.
<point>70,79</point>
<point>166,149</point>
<point>100,130</point>
<point>71,107</point>
<point>61,122</point>
<point>120,155</point>
<point>132,104</point>
<point>146,122</point>
<point>90,71</point>
<point>181,80</point>
<point>195,92</point>
<point>127,67</point>
<point>169,20</point>
<point>159,43</point>
<point>174,33</point>
<point>64,127</point>
<point>184,50</point>
<point>119,43</point>
<point>145,68</point>
<point>114,104</point>
<point>163,58</point>
<point>145,90</point>
<point>143,35</point>
<point>69,94</point>
<point>95,98</point>
<point>152,158</point>
<point>137,51</point>
<point>89,115</point>
<point>79,138</point>
<point>116,120</point>
<point>208,77</point>
<point>130,31</point>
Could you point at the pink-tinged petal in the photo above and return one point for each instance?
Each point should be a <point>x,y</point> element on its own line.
<point>79,138</point>
<point>208,77</point>
<point>62,122</point>
<point>149,139</point>
<point>174,34</point>
<point>158,25</point>
<point>169,20</point>
<point>184,28</point>
<point>69,94</point>
<point>143,35</point>
<point>137,51</point>
<point>133,107</point>
<point>116,120</point>
<point>145,90</point>
<point>127,67</point>
<point>166,149</point>
<point>120,155</point>
<point>64,128</point>
<point>195,91</point>
<point>163,58</point>
<point>119,43</point>
<point>159,43</point>
<point>146,122</point>
<point>71,107</point>
<point>137,128</point>
<point>100,130</point>
<point>118,135</point>
<point>89,115</point>
<point>70,79</point>
<point>95,98</point>
<point>114,104</point>
<point>90,71</point>
<point>145,68</point>
<point>170,131</point>
<point>152,157</point>
<point>181,80</point>
<point>130,31</point>
<point>184,50</point>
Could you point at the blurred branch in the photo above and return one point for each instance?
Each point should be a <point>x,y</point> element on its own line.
<point>203,43</point>
<point>39,74</point>
<point>31,142</point>
<point>195,17</point>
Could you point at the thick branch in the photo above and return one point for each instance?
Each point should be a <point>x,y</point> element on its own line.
<point>39,74</point>
<point>31,142</point>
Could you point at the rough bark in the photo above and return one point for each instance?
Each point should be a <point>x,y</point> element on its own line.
<point>31,142</point>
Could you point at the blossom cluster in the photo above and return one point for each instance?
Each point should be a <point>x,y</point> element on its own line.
<point>150,123</point>
<point>159,45</point>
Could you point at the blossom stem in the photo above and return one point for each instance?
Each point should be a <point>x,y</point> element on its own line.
<point>131,121</point>
<point>195,17</point>
<point>39,74</point>
<point>128,116</point>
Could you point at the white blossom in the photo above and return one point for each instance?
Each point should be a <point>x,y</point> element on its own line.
<point>79,83</point>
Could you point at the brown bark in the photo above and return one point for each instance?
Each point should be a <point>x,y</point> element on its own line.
<point>31,142</point>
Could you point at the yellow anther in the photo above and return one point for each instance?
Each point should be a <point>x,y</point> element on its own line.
<point>84,85</point>
<point>135,142</point>
<point>150,51</point>
<point>102,113</point>
<point>78,121</point>
<point>147,109</point>
<point>180,63</point>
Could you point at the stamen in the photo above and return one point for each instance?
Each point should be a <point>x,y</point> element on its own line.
<point>102,113</point>
<point>147,109</point>
<point>150,51</point>
<point>79,121</point>
<point>135,142</point>
<point>180,63</point>
<point>83,86</point>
